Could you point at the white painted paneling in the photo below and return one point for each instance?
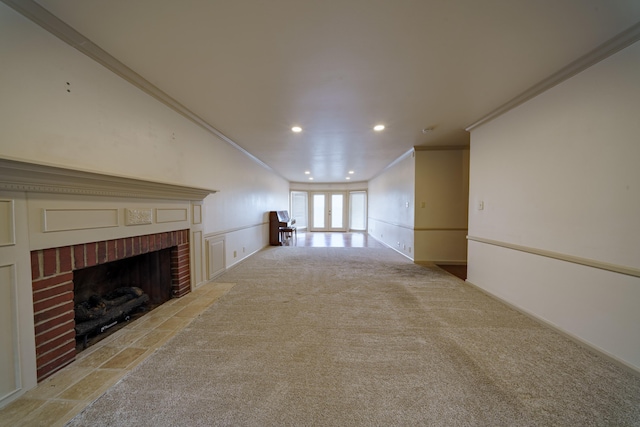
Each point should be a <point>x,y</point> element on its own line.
<point>70,220</point>
<point>17,344</point>
<point>216,254</point>
<point>171,215</point>
<point>197,259</point>
<point>79,219</point>
<point>197,214</point>
<point>7,223</point>
<point>9,356</point>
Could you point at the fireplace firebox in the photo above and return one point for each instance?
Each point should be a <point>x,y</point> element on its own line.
<point>107,294</point>
<point>155,265</point>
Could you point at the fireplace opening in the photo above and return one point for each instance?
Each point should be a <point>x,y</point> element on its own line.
<point>107,296</point>
<point>59,273</point>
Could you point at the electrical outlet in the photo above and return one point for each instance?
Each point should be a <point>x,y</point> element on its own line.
<point>481,205</point>
<point>235,254</point>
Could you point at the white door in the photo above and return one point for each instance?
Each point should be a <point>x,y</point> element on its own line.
<point>328,212</point>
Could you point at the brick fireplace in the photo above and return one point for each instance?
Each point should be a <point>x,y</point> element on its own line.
<point>53,287</point>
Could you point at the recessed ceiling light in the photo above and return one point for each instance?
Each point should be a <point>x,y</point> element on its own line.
<point>310,178</point>
<point>378,128</point>
<point>348,177</point>
<point>296,129</point>
<point>351,172</point>
<point>307,173</point>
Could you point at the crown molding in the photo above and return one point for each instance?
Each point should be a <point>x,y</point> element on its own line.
<point>17,175</point>
<point>54,25</point>
<point>606,49</point>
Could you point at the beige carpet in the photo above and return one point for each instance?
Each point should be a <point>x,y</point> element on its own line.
<point>363,337</point>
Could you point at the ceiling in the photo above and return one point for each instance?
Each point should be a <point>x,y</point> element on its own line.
<point>252,69</point>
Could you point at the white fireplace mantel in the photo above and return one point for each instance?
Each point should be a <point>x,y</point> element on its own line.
<point>16,175</point>
<point>47,206</point>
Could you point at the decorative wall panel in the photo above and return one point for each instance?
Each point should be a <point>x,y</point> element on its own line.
<point>9,361</point>
<point>196,259</point>
<point>215,249</point>
<point>79,219</point>
<point>7,223</point>
<point>171,215</point>
<point>138,216</point>
<point>197,214</point>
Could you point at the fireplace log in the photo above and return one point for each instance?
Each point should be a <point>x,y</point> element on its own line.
<point>93,308</point>
<point>115,309</point>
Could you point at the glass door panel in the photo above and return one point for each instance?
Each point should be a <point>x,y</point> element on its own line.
<point>358,210</point>
<point>336,211</point>
<point>318,211</point>
<point>299,206</point>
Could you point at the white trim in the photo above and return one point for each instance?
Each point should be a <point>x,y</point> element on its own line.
<point>629,271</point>
<point>233,230</point>
<point>40,178</point>
<point>606,49</point>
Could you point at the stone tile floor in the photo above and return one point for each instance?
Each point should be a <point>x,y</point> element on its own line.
<point>59,398</point>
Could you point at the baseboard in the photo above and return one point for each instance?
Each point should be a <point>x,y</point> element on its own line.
<point>441,262</point>
<point>389,246</point>
<point>231,266</point>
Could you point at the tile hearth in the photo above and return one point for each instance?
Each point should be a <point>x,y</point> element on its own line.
<point>57,399</point>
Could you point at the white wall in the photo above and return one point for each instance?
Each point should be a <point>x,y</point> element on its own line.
<point>59,107</point>
<point>560,174</point>
<point>442,194</point>
<point>391,205</point>
<point>418,205</point>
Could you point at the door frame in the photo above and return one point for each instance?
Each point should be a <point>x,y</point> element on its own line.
<point>328,211</point>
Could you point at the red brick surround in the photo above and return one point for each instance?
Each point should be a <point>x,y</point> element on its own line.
<point>52,273</point>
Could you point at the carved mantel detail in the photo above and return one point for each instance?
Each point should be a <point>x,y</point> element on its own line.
<point>138,216</point>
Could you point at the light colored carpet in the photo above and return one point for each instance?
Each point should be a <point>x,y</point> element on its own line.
<point>363,337</point>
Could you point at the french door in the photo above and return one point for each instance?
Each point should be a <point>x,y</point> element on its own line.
<point>328,211</point>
